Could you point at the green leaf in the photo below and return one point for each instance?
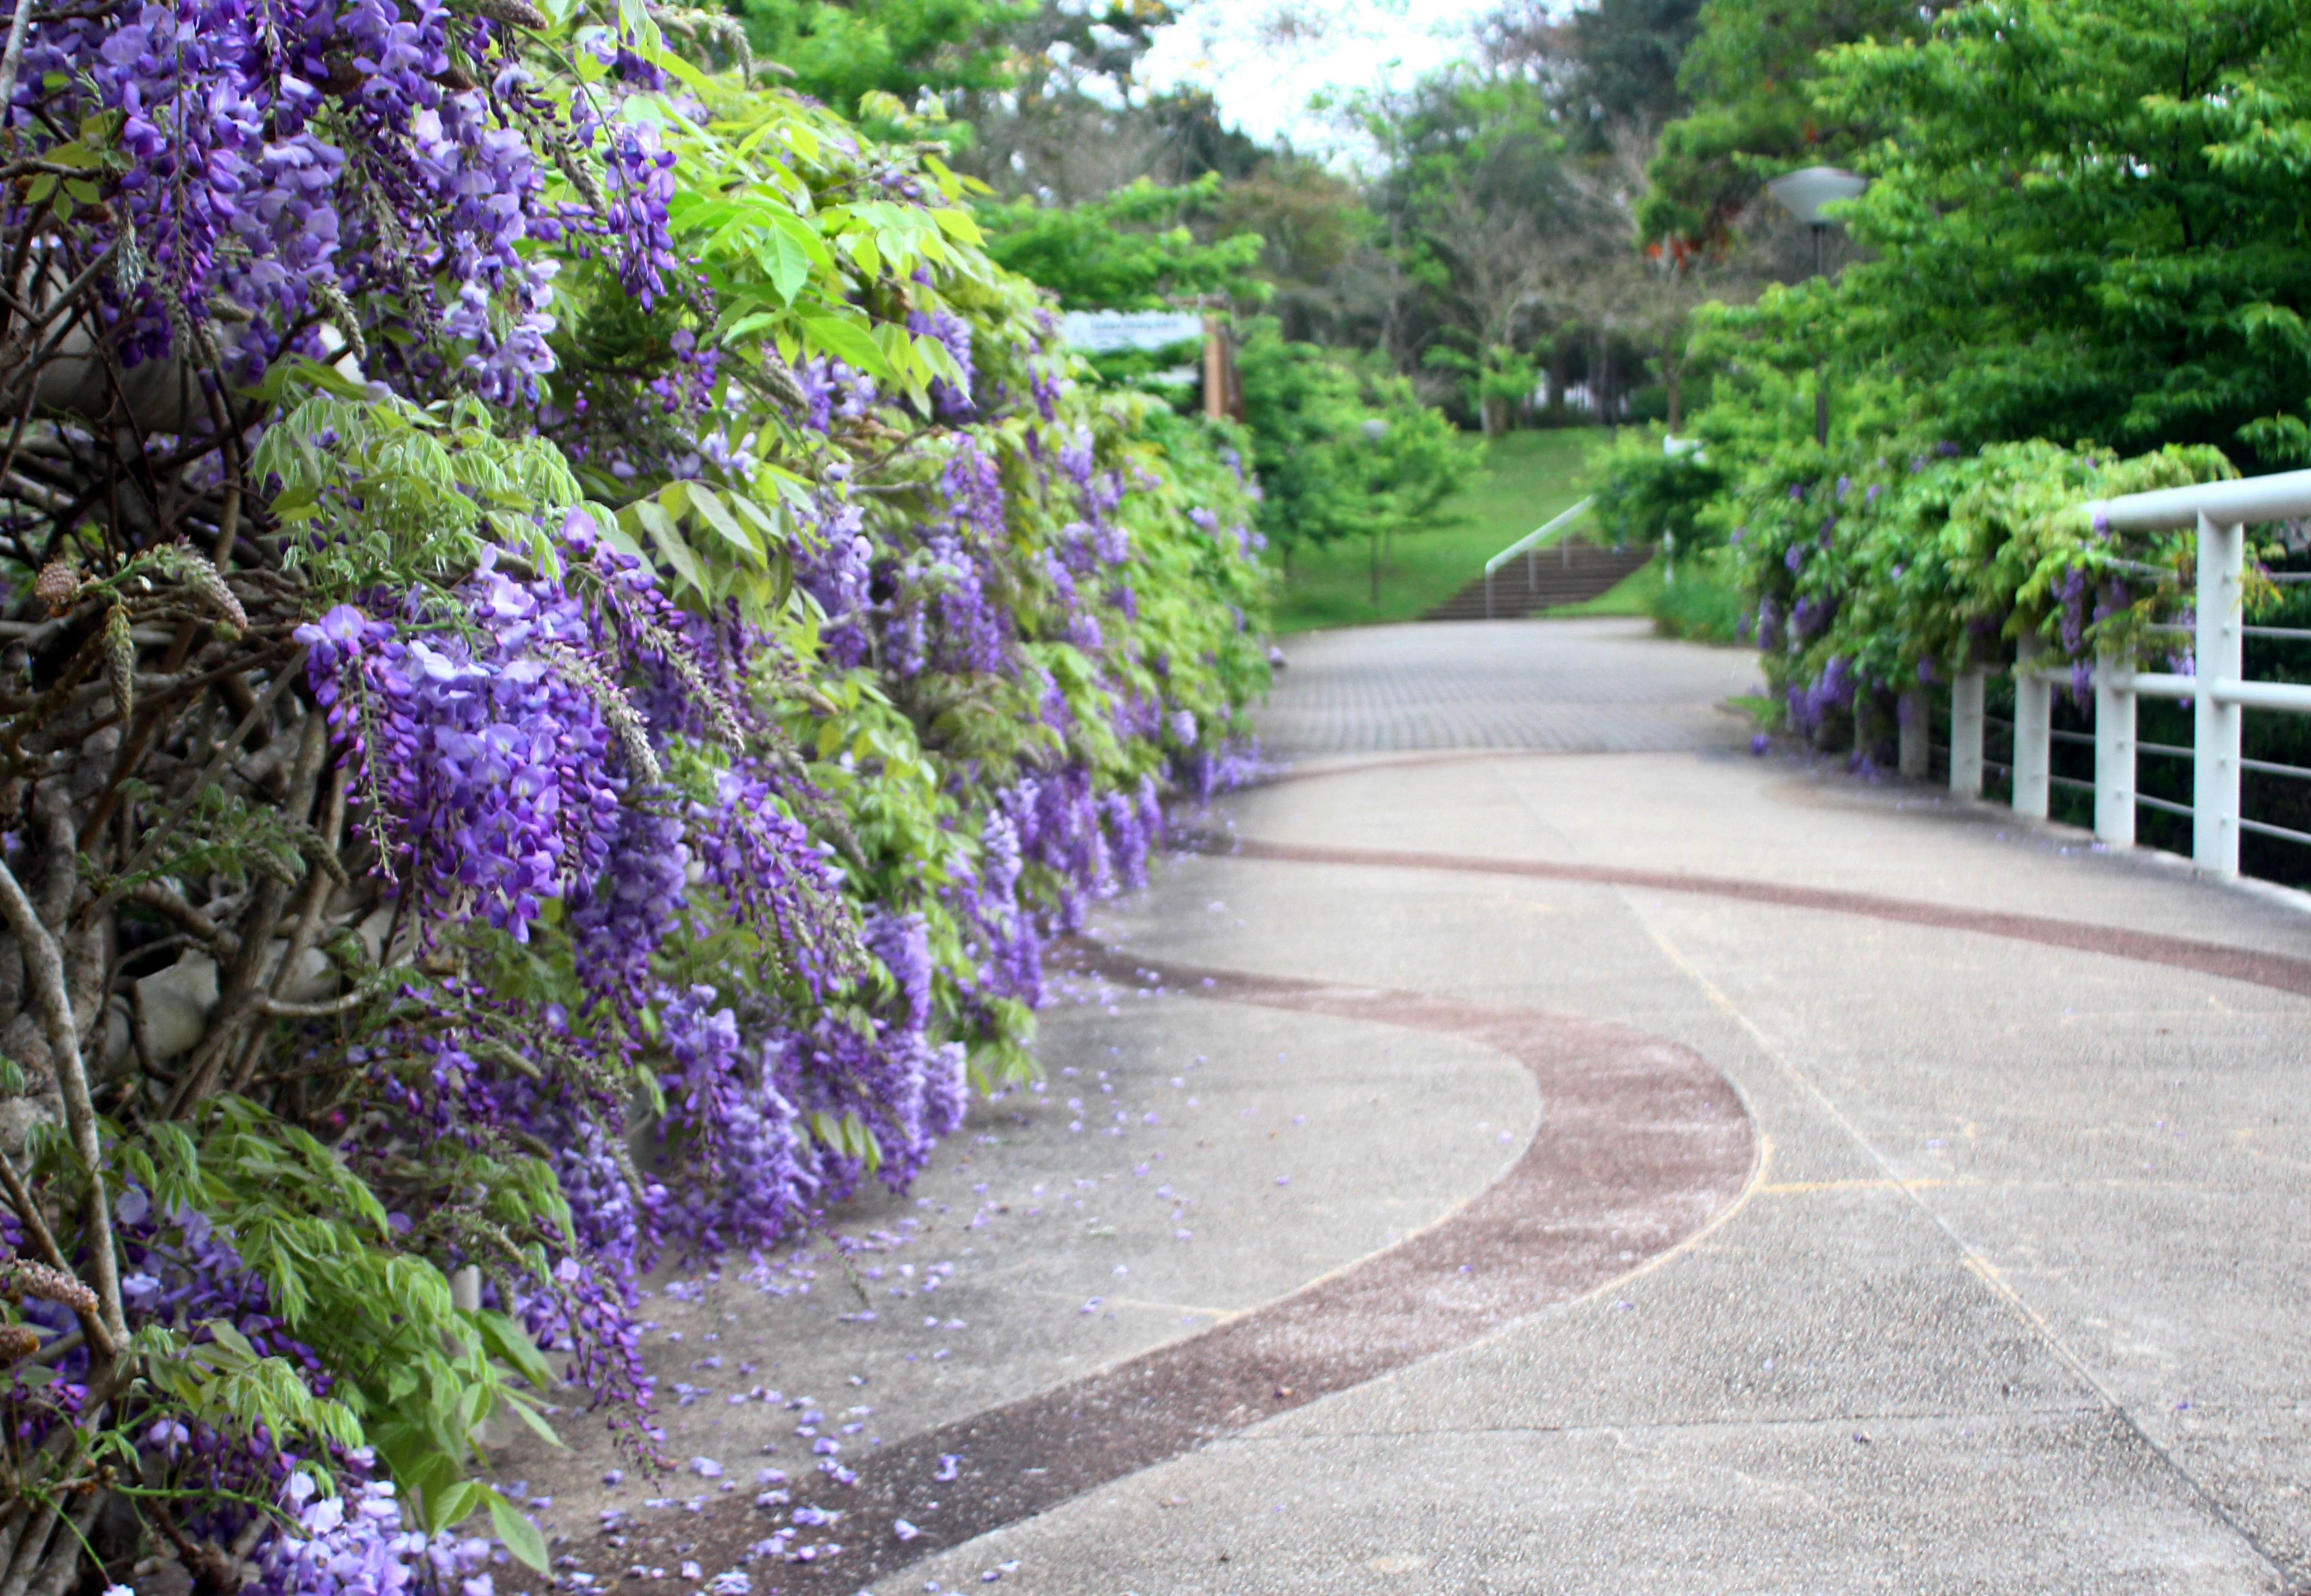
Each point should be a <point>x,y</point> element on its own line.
<point>503,1339</point>
<point>710,511</point>
<point>448,1507</point>
<point>521,1538</point>
<point>959,226</point>
<point>786,263</point>
<point>230,1339</point>
<point>753,322</point>
<point>650,517</point>
<point>848,342</point>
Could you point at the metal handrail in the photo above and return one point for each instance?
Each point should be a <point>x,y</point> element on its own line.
<point>2218,689</point>
<point>1524,546</point>
<point>2282,496</point>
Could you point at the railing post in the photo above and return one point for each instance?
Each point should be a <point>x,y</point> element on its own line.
<point>1966,734</point>
<point>1531,577</point>
<point>2034,724</point>
<point>1915,724</point>
<point>1488,592</point>
<point>2222,658</point>
<point>2114,752</point>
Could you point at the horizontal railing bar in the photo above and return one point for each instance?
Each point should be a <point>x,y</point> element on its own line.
<point>2159,803</point>
<point>2292,697</point>
<point>1534,536</point>
<point>2069,781</point>
<point>2291,576</point>
<point>2059,736</point>
<point>2155,685</point>
<point>2168,749</point>
<point>2276,631</point>
<point>2265,829</point>
<point>2279,496</point>
<point>2269,769</point>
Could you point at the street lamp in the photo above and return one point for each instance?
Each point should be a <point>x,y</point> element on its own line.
<point>1803,193</point>
<point>1374,428</point>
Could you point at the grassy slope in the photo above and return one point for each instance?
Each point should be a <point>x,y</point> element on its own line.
<point>1530,477</point>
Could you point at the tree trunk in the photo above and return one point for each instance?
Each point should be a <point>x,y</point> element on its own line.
<point>1673,377</point>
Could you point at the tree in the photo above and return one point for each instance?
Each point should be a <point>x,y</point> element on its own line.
<point>1073,121</point>
<point>842,53</point>
<point>1494,221</point>
<point>1612,65</point>
<point>2084,223</point>
<point>1746,74</point>
<point>1117,253</point>
<point>1343,447</point>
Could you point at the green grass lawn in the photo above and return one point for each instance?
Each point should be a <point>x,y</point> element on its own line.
<point>1526,478</point>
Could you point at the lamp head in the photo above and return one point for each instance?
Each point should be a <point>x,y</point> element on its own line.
<point>1803,193</point>
<point>1375,429</point>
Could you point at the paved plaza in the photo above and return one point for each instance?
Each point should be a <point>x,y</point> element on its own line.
<point>1534,1144</point>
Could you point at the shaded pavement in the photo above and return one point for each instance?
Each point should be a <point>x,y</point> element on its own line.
<point>1616,1163</point>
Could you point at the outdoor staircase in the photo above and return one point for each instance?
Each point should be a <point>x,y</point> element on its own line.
<point>1572,572</point>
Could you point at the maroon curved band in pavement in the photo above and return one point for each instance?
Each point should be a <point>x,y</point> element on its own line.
<point>2278,971</point>
<point>1642,1145</point>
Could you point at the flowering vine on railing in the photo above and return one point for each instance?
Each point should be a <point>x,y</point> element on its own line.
<point>1875,575</point>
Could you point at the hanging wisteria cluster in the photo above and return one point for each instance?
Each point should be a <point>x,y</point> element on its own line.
<point>569,642</point>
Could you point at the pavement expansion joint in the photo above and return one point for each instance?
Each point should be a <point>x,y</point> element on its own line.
<point>1757,1423</point>
<point>2256,966</point>
<point>1644,1147</point>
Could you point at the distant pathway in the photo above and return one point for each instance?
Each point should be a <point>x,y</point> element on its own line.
<point>1590,686</point>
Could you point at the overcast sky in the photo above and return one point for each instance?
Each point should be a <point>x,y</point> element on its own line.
<point>1263,60</point>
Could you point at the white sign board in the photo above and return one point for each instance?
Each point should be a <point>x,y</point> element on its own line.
<point>1097,331</point>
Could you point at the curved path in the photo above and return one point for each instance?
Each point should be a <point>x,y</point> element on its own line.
<point>1642,1145</point>
<point>1888,1195</point>
<point>2017,1300</point>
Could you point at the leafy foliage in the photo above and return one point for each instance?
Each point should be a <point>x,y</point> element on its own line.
<point>1342,448</point>
<point>1649,495</point>
<point>1874,574</point>
<point>1128,250</point>
<point>843,54</point>
<point>1748,75</point>
<point>2027,278</point>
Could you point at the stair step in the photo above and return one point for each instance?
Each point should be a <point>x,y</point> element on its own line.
<point>1565,573</point>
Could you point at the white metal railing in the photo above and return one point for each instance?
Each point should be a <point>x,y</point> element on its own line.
<point>1529,545</point>
<point>2219,691</point>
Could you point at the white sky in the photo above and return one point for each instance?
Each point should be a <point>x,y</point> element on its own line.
<point>1263,60</point>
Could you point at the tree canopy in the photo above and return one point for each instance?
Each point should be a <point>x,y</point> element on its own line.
<point>2084,222</point>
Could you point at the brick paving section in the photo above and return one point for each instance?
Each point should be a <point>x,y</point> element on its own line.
<point>1606,685</point>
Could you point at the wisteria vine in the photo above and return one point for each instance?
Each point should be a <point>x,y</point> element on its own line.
<point>569,643</point>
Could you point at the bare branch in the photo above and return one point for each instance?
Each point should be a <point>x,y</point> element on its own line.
<point>46,967</point>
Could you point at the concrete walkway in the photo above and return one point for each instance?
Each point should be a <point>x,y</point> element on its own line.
<point>1651,1169</point>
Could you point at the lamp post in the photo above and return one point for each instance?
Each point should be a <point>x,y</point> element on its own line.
<point>1374,430</point>
<point>1803,193</point>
